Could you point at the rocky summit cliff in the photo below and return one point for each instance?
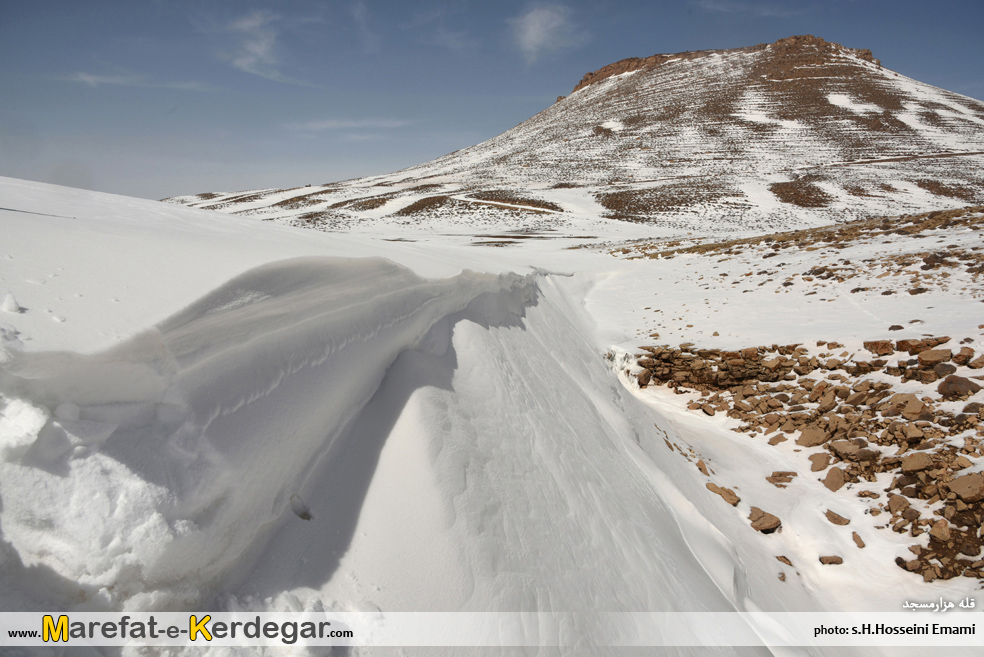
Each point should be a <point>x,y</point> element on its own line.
<point>793,133</point>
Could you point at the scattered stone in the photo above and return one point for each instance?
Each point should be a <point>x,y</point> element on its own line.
<point>831,560</point>
<point>785,560</point>
<point>813,436</point>
<point>819,461</point>
<point>763,521</point>
<point>916,462</point>
<point>835,479</point>
<point>897,504</point>
<point>702,467</point>
<point>835,518</point>
<point>940,530</point>
<point>857,540</point>
<point>726,494</point>
<point>895,327</point>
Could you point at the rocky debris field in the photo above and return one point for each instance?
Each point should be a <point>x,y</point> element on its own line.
<point>899,424</point>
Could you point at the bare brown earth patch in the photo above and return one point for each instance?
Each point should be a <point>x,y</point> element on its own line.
<point>942,189</point>
<point>426,204</point>
<point>801,192</point>
<point>512,198</point>
<point>638,204</point>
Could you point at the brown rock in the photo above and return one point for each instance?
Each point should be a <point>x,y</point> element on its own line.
<point>831,560</point>
<point>968,487</point>
<point>916,462</point>
<point>835,479</point>
<point>853,450</point>
<point>812,436</point>
<point>913,409</point>
<point>957,387</point>
<point>835,518</point>
<point>897,504</point>
<point>977,363</point>
<point>857,540</point>
<point>763,521</point>
<point>726,493</point>
<point>880,347</point>
<point>911,346</point>
<point>702,467</point>
<point>785,560</point>
<point>819,461</point>
<point>964,356</point>
<point>931,357</point>
<point>940,530</point>
<point>961,462</point>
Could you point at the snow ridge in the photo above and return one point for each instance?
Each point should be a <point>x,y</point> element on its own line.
<point>180,446</point>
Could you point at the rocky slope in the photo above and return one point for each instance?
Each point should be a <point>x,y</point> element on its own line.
<point>793,133</point>
<point>894,422</point>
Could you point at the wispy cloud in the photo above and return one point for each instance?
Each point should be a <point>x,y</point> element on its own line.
<point>546,29</point>
<point>764,9</point>
<point>133,80</point>
<point>327,125</point>
<point>256,53</point>
<point>360,16</point>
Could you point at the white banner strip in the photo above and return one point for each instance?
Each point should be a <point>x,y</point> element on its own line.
<point>920,627</point>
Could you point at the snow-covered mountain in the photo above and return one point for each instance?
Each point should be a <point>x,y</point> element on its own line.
<point>792,133</point>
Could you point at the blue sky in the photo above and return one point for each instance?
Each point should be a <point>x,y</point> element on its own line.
<point>158,98</point>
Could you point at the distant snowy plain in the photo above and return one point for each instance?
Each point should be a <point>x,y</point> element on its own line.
<point>202,411</point>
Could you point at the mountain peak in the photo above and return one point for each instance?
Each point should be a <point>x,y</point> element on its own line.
<point>793,133</point>
<point>786,54</point>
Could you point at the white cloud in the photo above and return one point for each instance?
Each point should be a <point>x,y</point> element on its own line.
<point>257,51</point>
<point>133,80</point>
<point>545,29</point>
<point>360,15</point>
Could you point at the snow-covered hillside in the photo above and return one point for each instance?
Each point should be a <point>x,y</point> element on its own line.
<point>200,411</point>
<point>790,134</point>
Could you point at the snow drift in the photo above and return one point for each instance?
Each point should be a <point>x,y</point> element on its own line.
<point>166,456</point>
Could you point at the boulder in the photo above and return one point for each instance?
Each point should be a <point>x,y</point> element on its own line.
<point>819,461</point>
<point>831,560</point>
<point>964,356</point>
<point>835,518</point>
<point>897,504</point>
<point>968,487</point>
<point>957,387</point>
<point>932,357</point>
<point>880,347</point>
<point>916,462</point>
<point>835,479</point>
<point>813,436</point>
<point>857,540</point>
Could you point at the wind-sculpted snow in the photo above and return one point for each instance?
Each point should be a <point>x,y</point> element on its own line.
<point>145,472</point>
